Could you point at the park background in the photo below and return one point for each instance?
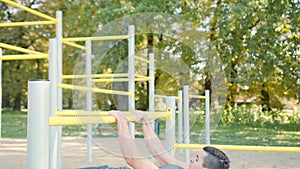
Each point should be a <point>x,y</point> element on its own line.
<point>257,42</point>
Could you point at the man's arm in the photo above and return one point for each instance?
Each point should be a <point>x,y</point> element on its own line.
<point>156,147</point>
<point>128,147</point>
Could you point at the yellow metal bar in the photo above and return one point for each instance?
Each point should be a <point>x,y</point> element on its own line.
<point>197,96</point>
<point>164,96</point>
<point>77,39</point>
<point>6,24</point>
<point>62,121</point>
<point>30,10</point>
<point>111,80</point>
<point>241,147</point>
<point>160,96</point>
<point>72,118</point>
<point>151,115</point>
<point>119,80</point>
<point>94,76</point>
<point>24,57</point>
<point>142,59</point>
<point>73,87</point>
<point>19,49</point>
<point>75,45</point>
<point>144,77</point>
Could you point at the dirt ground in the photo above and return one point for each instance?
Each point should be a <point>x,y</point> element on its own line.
<point>106,152</point>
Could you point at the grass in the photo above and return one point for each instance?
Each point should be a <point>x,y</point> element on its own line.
<point>14,124</point>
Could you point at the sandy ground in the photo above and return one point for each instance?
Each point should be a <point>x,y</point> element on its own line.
<point>106,152</point>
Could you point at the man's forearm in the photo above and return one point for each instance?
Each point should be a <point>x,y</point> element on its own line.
<point>157,149</point>
<point>154,144</point>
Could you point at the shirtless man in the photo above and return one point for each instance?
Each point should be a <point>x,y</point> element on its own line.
<point>209,158</point>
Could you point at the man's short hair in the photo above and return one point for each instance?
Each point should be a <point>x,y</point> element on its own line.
<point>216,159</point>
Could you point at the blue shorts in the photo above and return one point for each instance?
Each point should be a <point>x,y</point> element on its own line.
<point>107,167</point>
<point>170,166</point>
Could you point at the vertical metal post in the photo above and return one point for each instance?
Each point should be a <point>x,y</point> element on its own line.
<point>38,124</point>
<point>170,125</point>
<point>53,74</point>
<point>151,84</point>
<point>88,66</point>
<point>186,122</point>
<point>60,72</point>
<point>0,96</point>
<point>179,105</point>
<point>151,89</point>
<point>131,83</point>
<point>207,117</point>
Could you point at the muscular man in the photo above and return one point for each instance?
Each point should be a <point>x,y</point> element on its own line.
<point>209,158</point>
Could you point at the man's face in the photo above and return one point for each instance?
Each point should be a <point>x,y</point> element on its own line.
<point>196,163</point>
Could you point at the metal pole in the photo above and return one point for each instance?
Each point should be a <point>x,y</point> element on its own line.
<point>186,122</point>
<point>131,87</point>
<point>88,65</point>
<point>151,84</point>
<point>207,117</point>
<point>60,72</point>
<point>170,125</point>
<point>38,124</point>
<point>151,89</point>
<point>53,74</point>
<point>0,96</point>
<point>179,105</point>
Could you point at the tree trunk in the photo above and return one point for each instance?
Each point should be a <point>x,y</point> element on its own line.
<point>17,102</point>
<point>266,106</point>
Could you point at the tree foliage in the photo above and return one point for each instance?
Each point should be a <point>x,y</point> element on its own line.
<point>257,42</point>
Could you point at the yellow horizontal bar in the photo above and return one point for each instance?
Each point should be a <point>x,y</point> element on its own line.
<point>198,96</point>
<point>160,96</point>
<point>73,87</point>
<point>94,76</point>
<point>6,24</point>
<point>164,96</point>
<point>75,45</point>
<point>151,115</point>
<point>111,80</point>
<point>81,120</point>
<point>77,39</point>
<point>29,10</point>
<point>144,77</point>
<point>119,80</point>
<point>240,147</point>
<point>24,57</point>
<point>142,59</point>
<point>61,121</point>
<point>19,49</point>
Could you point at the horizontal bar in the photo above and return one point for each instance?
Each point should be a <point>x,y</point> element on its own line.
<point>142,59</point>
<point>7,24</point>
<point>240,147</point>
<point>24,57</point>
<point>160,96</point>
<point>82,120</point>
<point>197,96</point>
<point>164,96</point>
<point>19,49</point>
<point>94,76</point>
<point>73,87</point>
<point>151,115</point>
<point>119,80</point>
<point>75,45</point>
<point>77,39</point>
<point>144,77</point>
<point>30,10</point>
<point>62,121</point>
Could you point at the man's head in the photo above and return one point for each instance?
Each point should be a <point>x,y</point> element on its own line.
<point>210,158</point>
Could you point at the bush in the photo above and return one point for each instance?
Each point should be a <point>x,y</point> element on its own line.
<point>252,115</point>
